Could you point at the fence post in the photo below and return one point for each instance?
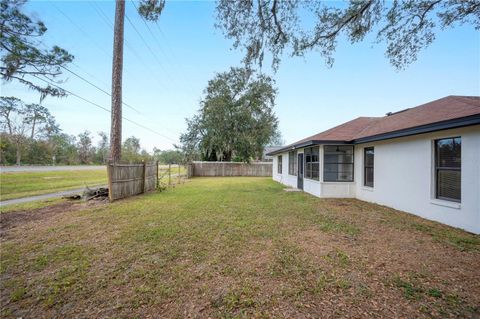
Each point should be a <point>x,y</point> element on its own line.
<point>156,179</point>
<point>144,176</point>
<point>169,174</point>
<point>109,175</point>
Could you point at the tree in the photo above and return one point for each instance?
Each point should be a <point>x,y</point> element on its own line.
<point>102,148</point>
<point>7,149</point>
<point>149,10</point>
<point>22,56</point>
<point>13,113</point>
<point>273,26</point>
<point>117,73</point>
<point>131,149</point>
<point>85,148</point>
<point>276,139</point>
<point>236,118</point>
<point>64,149</point>
<point>133,152</point>
<point>168,156</point>
<point>36,116</point>
<point>22,122</point>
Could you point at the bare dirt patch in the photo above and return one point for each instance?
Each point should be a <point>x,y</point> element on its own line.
<point>12,220</point>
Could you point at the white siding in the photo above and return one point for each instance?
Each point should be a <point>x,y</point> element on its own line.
<point>284,178</point>
<point>311,186</point>
<point>404,179</point>
<point>340,189</point>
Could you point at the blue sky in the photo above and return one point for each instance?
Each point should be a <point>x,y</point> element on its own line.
<point>166,86</point>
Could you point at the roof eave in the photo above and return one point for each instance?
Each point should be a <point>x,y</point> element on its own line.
<point>306,144</point>
<point>438,126</point>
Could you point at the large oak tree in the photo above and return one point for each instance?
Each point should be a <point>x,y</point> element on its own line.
<point>236,119</point>
<point>279,26</point>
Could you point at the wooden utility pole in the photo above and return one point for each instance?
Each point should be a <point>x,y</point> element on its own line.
<point>117,70</point>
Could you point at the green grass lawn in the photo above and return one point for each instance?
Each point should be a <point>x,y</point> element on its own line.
<point>24,184</point>
<point>234,248</point>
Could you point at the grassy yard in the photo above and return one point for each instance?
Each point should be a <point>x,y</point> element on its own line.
<point>234,247</point>
<point>24,184</point>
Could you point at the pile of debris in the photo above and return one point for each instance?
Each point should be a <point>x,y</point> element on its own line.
<point>90,193</point>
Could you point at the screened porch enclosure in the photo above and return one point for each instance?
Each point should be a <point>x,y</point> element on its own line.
<point>338,163</point>
<point>322,163</point>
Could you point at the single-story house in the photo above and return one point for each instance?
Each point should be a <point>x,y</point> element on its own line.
<point>423,160</point>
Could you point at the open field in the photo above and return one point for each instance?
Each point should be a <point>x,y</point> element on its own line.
<point>23,184</point>
<point>234,247</point>
<point>40,168</point>
<point>29,183</point>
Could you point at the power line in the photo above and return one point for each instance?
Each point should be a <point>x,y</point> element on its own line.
<point>103,108</point>
<point>106,20</point>
<point>88,73</point>
<point>101,14</point>
<point>81,30</point>
<point>148,47</point>
<point>109,23</point>
<point>99,88</point>
<point>102,90</point>
<point>87,35</point>
<point>161,48</point>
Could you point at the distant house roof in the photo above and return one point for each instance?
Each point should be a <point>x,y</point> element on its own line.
<point>270,149</point>
<point>441,114</point>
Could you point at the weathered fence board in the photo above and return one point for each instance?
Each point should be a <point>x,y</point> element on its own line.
<point>125,180</point>
<point>229,169</point>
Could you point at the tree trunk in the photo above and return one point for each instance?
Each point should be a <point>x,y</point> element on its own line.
<point>19,154</point>
<point>33,128</point>
<point>116,125</point>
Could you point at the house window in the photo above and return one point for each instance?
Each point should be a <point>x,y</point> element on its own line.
<point>368,154</point>
<point>448,160</point>
<point>279,164</point>
<point>338,163</point>
<point>312,163</point>
<point>292,163</point>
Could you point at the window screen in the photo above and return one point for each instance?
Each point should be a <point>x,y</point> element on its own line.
<point>448,162</point>
<point>292,163</point>
<point>338,163</point>
<point>312,163</point>
<point>279,164</point>
<point>368,160</point>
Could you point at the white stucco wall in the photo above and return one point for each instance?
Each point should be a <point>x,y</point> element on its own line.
<point>284,178</point>
<point>404,178</point>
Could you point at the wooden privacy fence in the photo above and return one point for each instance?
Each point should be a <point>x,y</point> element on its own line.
<point>229,169</point>
<point>125,180</point>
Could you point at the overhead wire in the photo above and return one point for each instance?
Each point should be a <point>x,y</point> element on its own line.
<point>104,108</point>
<point>161,48</point>
<point>109,23</point>
<point>106,20</point>
<point>98,88</point>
